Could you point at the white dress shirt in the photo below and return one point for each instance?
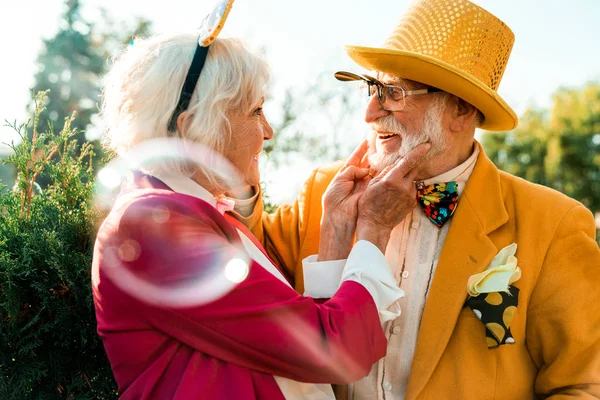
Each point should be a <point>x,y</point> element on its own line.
<point>412,253</point>
<point>374,275</point>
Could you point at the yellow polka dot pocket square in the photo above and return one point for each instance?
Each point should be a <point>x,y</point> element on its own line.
<point>492,297</point>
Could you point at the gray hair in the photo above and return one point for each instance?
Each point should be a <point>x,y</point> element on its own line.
<point>143,87</point>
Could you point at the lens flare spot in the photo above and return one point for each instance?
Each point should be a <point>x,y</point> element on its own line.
<point>161,215</point>
<point>139,167</point>
<point>129,251</point>
<point>236,270</point>
<point>109,177</point>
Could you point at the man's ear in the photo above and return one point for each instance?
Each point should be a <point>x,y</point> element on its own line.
<point>463,114</point>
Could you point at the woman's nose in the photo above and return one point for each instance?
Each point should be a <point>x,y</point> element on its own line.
<point>268,131</point>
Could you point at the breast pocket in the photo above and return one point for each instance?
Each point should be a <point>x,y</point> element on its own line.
<point>467,368</point>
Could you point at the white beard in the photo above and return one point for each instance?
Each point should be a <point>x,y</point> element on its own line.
<point>432,132</point>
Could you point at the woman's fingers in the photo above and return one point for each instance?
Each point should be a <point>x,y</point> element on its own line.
<point>354,173</point>
<point>412,175</point>
<point>380,175</point>
<point>365,163</point>
<point>357,156</point>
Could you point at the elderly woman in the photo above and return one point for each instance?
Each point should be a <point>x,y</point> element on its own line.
<point>259,339</point>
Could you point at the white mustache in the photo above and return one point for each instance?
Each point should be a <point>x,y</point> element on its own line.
<point>388,124</point>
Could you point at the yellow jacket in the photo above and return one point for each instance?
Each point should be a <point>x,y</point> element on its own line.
<point>557,324</point>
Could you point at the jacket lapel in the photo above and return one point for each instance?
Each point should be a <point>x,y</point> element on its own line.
<point>467,251</point>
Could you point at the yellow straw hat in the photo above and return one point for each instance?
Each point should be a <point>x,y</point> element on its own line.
<point>453,45</point>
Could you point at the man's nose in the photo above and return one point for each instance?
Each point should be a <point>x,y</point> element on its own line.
<point>374,110</point>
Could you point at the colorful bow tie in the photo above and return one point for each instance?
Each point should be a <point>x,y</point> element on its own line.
<point>438,200</point>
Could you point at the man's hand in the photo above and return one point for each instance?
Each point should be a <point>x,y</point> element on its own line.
<point>340,206</point>
<point>388,199</point>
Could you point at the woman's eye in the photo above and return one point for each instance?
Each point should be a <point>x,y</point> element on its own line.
<point>258,111</point>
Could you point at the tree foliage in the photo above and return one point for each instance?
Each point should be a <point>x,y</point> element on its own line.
<point>318,124</point>
<point>49,348</point>
<point>73,62</point>
<point>559,147</point>
<point>314,122</point>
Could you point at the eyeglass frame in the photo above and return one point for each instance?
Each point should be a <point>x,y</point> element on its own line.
<point>382,97</point>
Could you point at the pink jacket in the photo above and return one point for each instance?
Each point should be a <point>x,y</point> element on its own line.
<point>231,347</point>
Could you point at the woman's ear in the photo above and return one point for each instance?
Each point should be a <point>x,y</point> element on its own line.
<point>463,114</point>
<point>182,123</point>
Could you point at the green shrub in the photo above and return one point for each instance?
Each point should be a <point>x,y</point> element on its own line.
<point>49,348</point>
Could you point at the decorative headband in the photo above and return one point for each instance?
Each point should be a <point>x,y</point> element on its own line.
<point>207,33</point>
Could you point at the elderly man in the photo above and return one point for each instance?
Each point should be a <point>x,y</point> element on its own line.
<point>502,277</point>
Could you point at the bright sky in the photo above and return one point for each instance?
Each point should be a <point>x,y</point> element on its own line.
<point>556,41</point>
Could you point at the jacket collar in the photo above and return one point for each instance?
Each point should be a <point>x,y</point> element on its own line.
<point>467,251</point>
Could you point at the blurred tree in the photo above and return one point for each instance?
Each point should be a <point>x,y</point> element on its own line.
<point>69,65</point>
<point>521,152</point>
<point>559,148</point>
<point>72,63</point>
<point>324,131</point>
<point>573,164</point>
<point>320,132</point>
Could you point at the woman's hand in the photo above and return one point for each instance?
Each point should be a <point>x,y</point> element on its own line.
<point>340,206</point>
<point>341,197</point>
<point>388,199</point>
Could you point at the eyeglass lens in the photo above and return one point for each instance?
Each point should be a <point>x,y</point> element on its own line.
<point>387,95</point>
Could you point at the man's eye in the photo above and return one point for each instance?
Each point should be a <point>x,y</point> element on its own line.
<point>395,93</point>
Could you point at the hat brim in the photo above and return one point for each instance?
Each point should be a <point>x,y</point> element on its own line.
<point>428,70</point>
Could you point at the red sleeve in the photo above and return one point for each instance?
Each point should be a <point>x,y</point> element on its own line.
<point>262,323</point>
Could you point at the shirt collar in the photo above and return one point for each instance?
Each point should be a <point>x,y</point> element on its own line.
<point>460,174</point>
<point>184,185</point>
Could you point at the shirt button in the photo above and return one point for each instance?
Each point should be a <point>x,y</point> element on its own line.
<point>396,330</point>
<point>405,274</point>
<point>415,225</point>
<point>387,386</point>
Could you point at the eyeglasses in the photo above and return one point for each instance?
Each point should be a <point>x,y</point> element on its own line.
<point>392,98</point>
